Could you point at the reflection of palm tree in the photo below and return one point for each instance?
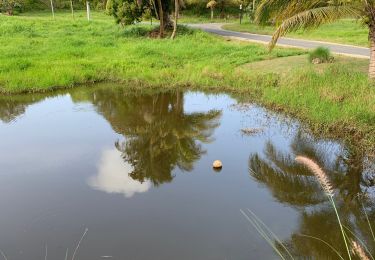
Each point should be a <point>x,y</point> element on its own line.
<point>291,183</point>
<point>159,135</point>
<point>287,180</point>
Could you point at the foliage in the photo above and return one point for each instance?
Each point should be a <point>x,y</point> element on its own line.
<point>294,15</point>
<point>198,7</point>
<point>321,53</point>
<point>11,7</point>
<point>126,12</point>
<point>211,4</point>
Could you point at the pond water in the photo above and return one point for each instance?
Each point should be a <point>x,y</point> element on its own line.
<point>134,170</point>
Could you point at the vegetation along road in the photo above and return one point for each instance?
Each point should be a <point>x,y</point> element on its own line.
<point>349,50</point>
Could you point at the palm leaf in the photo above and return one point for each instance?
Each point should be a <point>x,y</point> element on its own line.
<point>312,18</point>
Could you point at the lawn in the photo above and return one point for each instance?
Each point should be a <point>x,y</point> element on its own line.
<point>37,53</point>
<point>41,54</point>
<point>344,31</point>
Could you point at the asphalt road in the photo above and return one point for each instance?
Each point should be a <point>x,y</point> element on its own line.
<point>348,50</point>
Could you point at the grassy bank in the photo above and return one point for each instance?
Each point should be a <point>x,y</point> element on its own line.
<point>39,54</point>
<point>344,32</point>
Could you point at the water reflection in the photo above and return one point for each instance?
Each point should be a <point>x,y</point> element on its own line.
<point>159,134</point>
<point>291,183</point>
<point>113,176</point>
<point>12,107</point>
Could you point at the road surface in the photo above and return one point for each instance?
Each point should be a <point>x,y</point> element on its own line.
<point>349,50</point>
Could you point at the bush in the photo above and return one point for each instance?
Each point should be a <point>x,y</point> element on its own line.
<point>320,55</point>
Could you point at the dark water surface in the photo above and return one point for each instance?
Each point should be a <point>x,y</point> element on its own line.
<point>135,170</point>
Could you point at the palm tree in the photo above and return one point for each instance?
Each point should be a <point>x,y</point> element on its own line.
<point>211,5</point>
<point>291,15</point>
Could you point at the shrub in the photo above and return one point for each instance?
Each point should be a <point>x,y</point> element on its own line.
<point>320,55</point>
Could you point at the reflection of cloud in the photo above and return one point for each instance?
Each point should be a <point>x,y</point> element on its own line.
<point>113,176</point>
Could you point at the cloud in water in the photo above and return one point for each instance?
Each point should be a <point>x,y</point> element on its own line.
<point>113,176</point>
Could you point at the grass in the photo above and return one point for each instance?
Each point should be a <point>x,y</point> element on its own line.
<point>40,54</point>
<point>37,53</point>
<point>346,31</point>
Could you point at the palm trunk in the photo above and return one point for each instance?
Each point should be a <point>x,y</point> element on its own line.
<point>176,10</point>
<point>161,18</point>
<point>371,71</point>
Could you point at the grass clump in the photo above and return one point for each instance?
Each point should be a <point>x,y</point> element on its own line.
<point>320,55</point>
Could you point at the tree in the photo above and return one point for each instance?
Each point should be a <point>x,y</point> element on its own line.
<point>9,6</point>
<point>176,11</point>
<point>128,12</point>
<point>291,15</point>
<point>211,5</point>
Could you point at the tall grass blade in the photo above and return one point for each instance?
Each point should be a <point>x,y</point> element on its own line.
<point>326,243</point>
<point>79,243</point>
<point>368,222</point>
<point>360,241</point>
<point>273,234</point>
<point>341,226</point>
<point>262,233</point>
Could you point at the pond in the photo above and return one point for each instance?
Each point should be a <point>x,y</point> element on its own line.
<point>113,173</point>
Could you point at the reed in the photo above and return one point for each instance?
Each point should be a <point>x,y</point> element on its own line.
<point>358,249</point>
<point>318,172</point>
<point>323,179</point>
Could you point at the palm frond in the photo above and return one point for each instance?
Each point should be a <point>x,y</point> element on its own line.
<point>313,18</point>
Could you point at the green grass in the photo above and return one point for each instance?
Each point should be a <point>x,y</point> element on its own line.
<point>344,31</point>
<point>40,54</point>
<point>37,53</point>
